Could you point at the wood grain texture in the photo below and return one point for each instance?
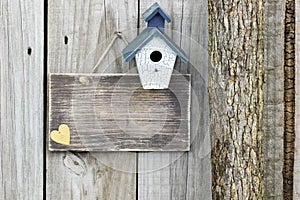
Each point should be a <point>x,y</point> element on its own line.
<point>89,25</point>
<point>114,113</point>
<point>296,188</point>
<point>183,175</point>
<point>273,101</point>
<point>21,99</point>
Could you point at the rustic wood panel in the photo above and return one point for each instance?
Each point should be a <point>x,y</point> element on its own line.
<point>77,34</point>
<point>273,101</point>
<point>296,188</point>
<point>114,113</point>
<point>21,99</point>
<point>183,175</point>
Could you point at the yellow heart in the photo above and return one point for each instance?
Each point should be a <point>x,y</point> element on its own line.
<point>62,136</point>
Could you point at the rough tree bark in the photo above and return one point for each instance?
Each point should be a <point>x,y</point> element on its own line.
<point>236,97</point>
<point>289,100</point>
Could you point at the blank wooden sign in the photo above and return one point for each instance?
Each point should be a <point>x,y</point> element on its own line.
<point>112,112</point>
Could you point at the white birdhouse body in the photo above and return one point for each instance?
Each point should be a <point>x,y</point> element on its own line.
<point>154,51</point>
<point>155,63</point>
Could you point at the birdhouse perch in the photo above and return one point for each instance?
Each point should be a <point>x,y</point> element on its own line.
<point>154,51</point>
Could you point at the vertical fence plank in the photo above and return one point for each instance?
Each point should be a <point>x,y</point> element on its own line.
<point>21,101</point>
<point>183,175</point>
<point>296,189</point>
<point>78,32</point>
<point>273,101</point>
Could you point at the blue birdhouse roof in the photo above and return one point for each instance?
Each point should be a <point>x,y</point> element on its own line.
<point>146,36</point>
<point>153,11</point>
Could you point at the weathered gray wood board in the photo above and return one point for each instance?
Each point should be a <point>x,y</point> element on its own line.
<point>176,175</point>
<point>297,112</point>
<point>21,99</point>
<point>273,99</point>
<point>114,113</point>
<point>87,24</point>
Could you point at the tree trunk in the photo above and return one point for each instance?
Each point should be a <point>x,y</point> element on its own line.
<point>289,100</point>
<point>236,97</point>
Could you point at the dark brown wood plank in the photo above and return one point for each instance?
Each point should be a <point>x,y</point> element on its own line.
<point>296,189</point>
<point>114,113</point>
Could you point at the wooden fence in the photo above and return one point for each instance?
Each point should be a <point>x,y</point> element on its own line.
<point>73,38</point>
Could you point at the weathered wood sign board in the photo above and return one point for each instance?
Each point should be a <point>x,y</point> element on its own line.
<point>112,112</point>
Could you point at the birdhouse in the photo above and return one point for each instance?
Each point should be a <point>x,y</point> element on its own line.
<point>154,51</point>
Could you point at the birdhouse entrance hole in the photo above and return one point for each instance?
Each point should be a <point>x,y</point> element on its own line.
<point>155,56</point>
<point>154,51</point>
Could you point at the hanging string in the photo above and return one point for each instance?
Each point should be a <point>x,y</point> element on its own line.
<point>119,35</point>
